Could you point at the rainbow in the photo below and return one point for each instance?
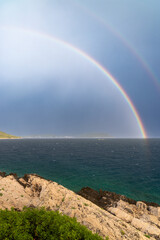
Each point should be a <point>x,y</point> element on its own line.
<point>94,62</point>
<point>125,42</point>
<point>140,59</point>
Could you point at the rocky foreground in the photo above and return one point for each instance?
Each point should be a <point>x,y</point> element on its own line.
<point>119,219</point>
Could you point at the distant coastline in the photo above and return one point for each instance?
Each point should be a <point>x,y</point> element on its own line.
<point>76,136</point>
<point>10,138</point>
<point>4,135</point>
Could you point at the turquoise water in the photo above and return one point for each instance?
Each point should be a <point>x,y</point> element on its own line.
<point>126,166</point>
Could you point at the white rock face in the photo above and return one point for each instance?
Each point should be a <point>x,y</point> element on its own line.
<point>141,206</point>
<point>125,221</point>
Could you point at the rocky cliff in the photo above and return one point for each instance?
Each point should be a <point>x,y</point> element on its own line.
<point>119,220</point>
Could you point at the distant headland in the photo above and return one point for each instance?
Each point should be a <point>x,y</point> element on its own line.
<point>4,135</point>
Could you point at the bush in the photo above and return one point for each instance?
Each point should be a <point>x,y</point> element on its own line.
<point>35,224</point>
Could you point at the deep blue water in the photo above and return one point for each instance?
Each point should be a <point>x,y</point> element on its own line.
<point>126,166</point>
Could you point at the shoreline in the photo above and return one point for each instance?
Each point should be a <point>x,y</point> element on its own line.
<point>104,199</point>
<point>9,138</point>
<point>97,197</point>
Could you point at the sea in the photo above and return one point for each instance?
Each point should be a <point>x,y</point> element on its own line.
<point>130,167</point>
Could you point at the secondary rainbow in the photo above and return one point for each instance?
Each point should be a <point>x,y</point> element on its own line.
<point>125,42</point>
<point>94,62</point>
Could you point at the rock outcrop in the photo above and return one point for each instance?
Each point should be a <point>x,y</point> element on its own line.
<point>120,221</point>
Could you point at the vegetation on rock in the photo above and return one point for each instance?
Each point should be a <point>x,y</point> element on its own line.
<point>5,135</point>
<point>39,224</point>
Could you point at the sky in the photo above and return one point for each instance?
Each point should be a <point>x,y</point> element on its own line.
<point>69,67</point>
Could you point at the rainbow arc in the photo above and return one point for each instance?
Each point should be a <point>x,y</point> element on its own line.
<point>94,62</point>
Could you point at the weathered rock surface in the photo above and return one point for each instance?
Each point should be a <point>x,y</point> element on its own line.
<point>107,199</point>
<point>120,221</point>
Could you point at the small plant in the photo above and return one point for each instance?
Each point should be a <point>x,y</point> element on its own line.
<point>122,232</point>
<point>22,196</point>
<point>63,199</point>
<point>146,235</point>
<point>73,208</point>
<point>85,204</point>
<point>1,194</point>
<point>3,189</point>
<point>107,238</point>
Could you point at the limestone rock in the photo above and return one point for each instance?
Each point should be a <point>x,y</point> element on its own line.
<point>155,211</point>
<point>141,206</point>
<point>121,214</point>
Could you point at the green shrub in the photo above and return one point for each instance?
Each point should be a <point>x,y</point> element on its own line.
<point>146,235</point>
<point>85,204</point>
<point>34,224</point>
<point>122,232</point>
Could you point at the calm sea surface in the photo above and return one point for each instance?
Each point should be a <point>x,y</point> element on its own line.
<point>125,166</point>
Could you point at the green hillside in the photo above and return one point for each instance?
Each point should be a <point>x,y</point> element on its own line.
<point>5,135</point>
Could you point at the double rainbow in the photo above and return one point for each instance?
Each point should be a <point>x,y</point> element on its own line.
<point>94,62</point>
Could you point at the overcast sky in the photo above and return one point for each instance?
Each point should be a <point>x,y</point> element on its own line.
<point>46,87</point>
